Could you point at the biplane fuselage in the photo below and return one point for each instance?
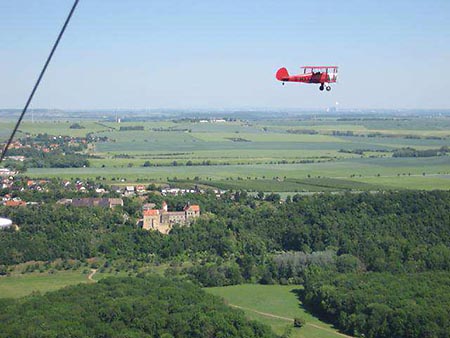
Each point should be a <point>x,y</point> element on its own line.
<point>320,75</point>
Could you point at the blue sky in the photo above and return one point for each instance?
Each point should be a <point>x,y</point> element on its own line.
<point>223,54</point>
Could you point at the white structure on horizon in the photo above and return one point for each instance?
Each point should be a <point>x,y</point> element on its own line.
<point>5,223</point>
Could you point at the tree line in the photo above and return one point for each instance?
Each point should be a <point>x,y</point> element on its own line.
<point>382,305</point>
<point>147,306</point>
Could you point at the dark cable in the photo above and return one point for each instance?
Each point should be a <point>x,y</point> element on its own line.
<point>39,80</point>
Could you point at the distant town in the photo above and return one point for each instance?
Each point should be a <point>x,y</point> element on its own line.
<point>161,220</point>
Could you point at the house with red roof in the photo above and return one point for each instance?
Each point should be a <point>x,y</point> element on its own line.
<point>15,203</point>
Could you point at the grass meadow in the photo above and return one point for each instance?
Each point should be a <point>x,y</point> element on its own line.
<point>22,285</point>
<point>276,306</point>
<point>19,284</point>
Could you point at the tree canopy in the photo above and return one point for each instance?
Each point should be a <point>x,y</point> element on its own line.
<point>126,307</point>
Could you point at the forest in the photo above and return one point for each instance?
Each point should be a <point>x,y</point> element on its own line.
<point>347,250</point>
<point>145,306</point>
<point>382,304</point>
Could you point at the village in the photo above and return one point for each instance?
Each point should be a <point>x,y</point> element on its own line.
<point>161,220</point>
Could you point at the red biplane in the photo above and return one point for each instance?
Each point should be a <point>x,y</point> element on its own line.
<point>311,74</point>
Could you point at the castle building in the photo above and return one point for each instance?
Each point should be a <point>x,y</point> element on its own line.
<point>163,220</point>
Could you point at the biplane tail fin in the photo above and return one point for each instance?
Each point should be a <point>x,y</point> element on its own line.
<point>282,74</point>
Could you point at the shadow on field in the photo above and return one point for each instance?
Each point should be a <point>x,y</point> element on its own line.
<point>300,294</point>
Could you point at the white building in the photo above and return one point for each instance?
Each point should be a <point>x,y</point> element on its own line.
<point>5,223</point>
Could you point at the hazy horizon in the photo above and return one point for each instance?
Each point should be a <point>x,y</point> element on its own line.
<point>231,109</point>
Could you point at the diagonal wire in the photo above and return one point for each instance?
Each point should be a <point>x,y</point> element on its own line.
<point>38,80</point>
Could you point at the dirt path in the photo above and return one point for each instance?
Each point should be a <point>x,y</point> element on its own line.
<point>262,313</point>
<point>93,272</point>
<point>271,315</point>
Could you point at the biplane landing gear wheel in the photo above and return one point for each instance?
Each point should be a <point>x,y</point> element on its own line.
<point>282,83</point>
<point>328,88</point>
<point>321,87</point>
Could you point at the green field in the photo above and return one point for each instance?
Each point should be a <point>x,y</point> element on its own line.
<point>262,154</point>
<point>378,173</point>
<point>22,285</point>
<point>19,284</point>
<point>274,305</point>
